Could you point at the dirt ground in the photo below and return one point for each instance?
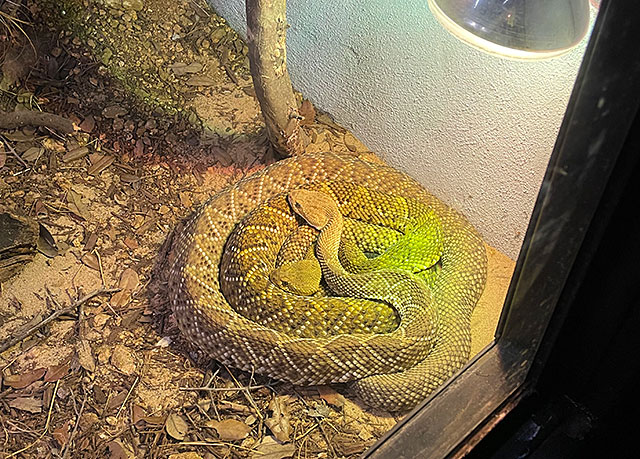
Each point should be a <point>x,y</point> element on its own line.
<point>162,100</point>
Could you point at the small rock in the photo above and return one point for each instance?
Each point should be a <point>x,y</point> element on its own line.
<point>100,319</point>
<point>217,34</point>
<point>106,56</point>
<point>187,455</point>
<point>135,5</point>
<point>111,420</point>
<point>104,354</point>
<point>113,111</point>
<point>130,126</point>
<point>164,342</point>
<point>122,358</point>
<point>88,420</point>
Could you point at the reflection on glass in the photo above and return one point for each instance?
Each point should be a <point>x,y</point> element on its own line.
<point>522,29</point>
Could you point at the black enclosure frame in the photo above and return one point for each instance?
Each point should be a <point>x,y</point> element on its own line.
<point>591,163</point>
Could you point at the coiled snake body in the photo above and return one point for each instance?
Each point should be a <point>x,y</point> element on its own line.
<point>394,370</point>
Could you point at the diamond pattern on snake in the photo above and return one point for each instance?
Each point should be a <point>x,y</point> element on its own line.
<point>327,268</point>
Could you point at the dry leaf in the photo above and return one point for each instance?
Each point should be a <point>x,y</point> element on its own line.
<point>330,396</point>
<point>76,153</point>
<point>85,356</point>
<point>130,243</point>
<point>25,379</point>
<point>3,159</point>
<point>88,124</point>
<point>270,448</point>
<point>146,225</point>
<point>30,404</point>
<point>180,68</point>
<point>352,143</point>
<point>76,204</point>
<point>91,261</point>
<point>130,318</point>
<point>307,112</point>
<point>165,341</point>
<point>117,450</point>
<point>116,401</point>
<point>91,241</point>
<point>129,178</point>
<point>365,433</point>
<point>100,163</point>
<point>46,242</point>
<point>53,162</point>
<point>229,429</point>
<point>279,422</point>
<point>61,434</point>
<point>321,410</point>
<point>57,372</point>
<point>200,80</point>
<point>137,413</point>
<point>128,282</point>
<point>233,406</point>
<point>155,420</point>
<point>176,427</point>
<point>128,279</point>
<point>32,153</point>
<point>18,136</point>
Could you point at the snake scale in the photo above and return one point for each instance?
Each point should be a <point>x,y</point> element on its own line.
<point>402,367</point>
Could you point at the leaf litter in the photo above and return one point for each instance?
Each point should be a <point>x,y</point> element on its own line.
<point>150,146</point>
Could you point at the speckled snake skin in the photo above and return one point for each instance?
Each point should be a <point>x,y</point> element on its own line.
<point>401,369</point>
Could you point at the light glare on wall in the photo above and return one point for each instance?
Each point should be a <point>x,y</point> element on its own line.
<point>518,29</point>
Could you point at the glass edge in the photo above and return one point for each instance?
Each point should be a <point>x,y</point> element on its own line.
<point>501,370</point>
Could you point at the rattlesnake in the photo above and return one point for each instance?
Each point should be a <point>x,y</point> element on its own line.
<point>206,318</point>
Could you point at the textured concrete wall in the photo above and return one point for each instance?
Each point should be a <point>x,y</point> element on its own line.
<point>475,129</point>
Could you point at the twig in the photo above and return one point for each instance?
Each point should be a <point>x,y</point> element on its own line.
<point>301,436</point>
<point>97,254</point>
<point>247,395</point>
<point>46,426</point>
<point>320,426</point>
<point>66,449</point>
<point>209,443</point>
<point>7,344</point>
<point>14,120</point>
<point>223,389</point>
<point>127,397</point>
<point>14,153</point>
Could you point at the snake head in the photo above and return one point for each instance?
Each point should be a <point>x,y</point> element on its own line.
<point>314,206</point>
